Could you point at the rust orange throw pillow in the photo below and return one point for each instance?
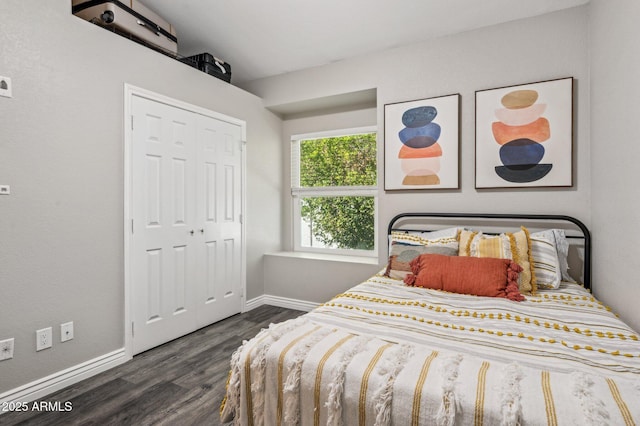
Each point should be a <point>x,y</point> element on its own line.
<point>480,276</point>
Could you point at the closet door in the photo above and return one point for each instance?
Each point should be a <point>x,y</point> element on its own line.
<point>186,236</point>
<point>219,211</point>
<point>164,248</point>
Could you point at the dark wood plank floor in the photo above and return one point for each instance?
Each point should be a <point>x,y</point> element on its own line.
<point>179,383</point>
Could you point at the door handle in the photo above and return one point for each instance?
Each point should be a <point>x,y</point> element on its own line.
<point>202,230</point>
<point>191,232</point>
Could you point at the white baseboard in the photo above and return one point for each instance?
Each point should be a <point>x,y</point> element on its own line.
<point>256,302</point>
<point>282,302</point>
<point>60,380</point>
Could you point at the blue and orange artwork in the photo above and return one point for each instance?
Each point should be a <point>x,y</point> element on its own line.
<point>520,131</point>
<point>420,152</point>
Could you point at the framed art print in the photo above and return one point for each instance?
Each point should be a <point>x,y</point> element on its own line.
<point>421,143</point>
<point>524,135</point>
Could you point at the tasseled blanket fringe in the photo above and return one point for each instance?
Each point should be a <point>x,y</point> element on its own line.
<point>593,408</point>
<point>450,406</point>
<point>510,396</point>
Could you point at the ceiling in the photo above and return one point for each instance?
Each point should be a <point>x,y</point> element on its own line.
<point>262,38</point>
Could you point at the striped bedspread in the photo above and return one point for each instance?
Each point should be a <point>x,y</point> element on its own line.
<point>387,354</point>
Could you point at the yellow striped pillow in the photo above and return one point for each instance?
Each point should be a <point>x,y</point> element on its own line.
<point>515,246</point>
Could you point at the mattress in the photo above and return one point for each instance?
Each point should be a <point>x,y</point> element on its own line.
<point>385,353</point>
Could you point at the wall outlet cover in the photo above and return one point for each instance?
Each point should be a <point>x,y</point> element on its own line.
<point>44,338</point>
<point>66,331</point>
<point>6,349</point>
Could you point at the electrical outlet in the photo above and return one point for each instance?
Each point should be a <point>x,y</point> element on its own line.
<point>66,331</point>
<point>43,338</point>
<point>5,87</point>
<point>6,349</point>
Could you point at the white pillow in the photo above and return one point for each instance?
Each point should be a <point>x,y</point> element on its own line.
<point>549,250</point>
<point>562,246</point>
<point>546,263</point>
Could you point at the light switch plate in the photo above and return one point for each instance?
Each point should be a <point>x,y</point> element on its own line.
<point>5,87</point>
<point>5,190</point>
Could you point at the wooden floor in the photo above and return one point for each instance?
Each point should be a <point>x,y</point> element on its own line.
<point>179,383</point>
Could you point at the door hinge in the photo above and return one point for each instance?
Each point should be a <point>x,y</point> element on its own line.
<point>132,122</point>
<point>132,334</point>
<point>132,226</point>
<point>240,218</point>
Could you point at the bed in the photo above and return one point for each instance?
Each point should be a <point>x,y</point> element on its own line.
<point>388,353</point>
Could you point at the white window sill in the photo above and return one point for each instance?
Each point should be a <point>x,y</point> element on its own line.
<point>326,257</point>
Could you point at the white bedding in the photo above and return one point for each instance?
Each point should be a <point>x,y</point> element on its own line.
<point>384,353</point>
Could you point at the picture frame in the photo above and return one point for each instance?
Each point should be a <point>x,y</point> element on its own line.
<point>422,144</point>
<point>524,135</point>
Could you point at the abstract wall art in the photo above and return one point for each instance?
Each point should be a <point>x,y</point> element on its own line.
<point>524,135</point>
<point>421,143</point>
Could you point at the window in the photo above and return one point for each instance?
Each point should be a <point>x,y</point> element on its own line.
<point>334,186</point>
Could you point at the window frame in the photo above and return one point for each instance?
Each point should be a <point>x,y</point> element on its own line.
<point>297,193</point>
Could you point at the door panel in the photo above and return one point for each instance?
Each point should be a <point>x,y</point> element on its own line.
<point>153,284</point>
<point>163,162</point>
<point>180,255</point>
<point>179,191</point>
<point>162,246</point>
<point>229,267</point>
<point>229,193</point>
<point>211,256</point>
<point>153,184</point>
<point>219,211</point>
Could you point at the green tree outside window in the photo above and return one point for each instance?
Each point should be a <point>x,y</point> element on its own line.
<point>345,222</point>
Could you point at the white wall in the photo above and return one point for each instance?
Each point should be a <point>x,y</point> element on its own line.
<point>615,152</point>
<point>61,150</point>
<point>542,48</point>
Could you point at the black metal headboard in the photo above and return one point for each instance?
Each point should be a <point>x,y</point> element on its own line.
<point>496,218</point>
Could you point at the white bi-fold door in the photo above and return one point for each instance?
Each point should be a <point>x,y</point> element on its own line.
<point>186,210</point>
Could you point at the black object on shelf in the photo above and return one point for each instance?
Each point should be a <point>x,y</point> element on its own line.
<point>208,63</point>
